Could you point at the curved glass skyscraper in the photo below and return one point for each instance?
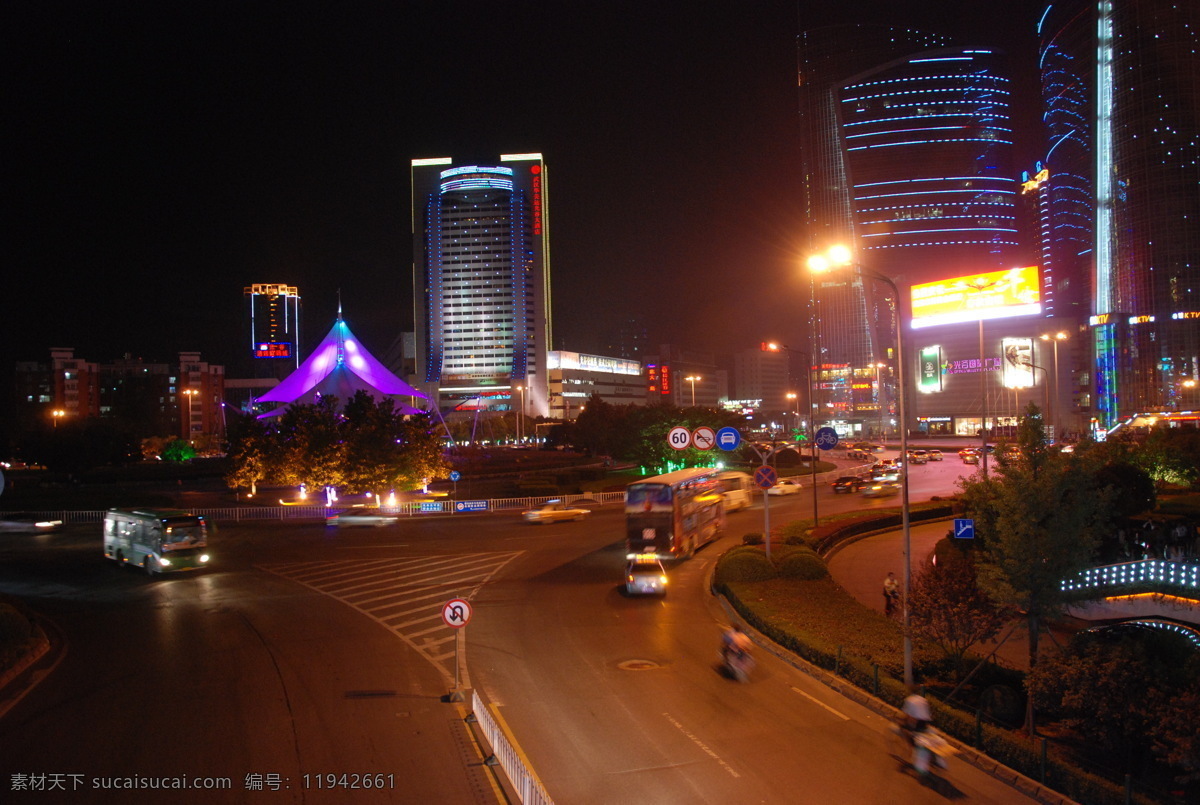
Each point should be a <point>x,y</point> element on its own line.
<point>907,152</point>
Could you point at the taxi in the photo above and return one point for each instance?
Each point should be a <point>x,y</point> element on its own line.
<point>645,575</point>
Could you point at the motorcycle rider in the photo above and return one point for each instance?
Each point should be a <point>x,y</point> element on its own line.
<point>735,650</point>
<point>917,716</point>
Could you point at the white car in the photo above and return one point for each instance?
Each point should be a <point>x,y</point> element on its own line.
<point>935,455</point>
<point>364,517</point>
<point>553,512</point>
<point>785,487</point>
<point>644,575</point>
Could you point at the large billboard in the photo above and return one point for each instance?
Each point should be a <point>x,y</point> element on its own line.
<point>1018,362</point>
<point>994,295</point>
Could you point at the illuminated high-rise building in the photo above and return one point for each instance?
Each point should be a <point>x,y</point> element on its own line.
<point>481,282</point>
<point>1122,112</point>
<point>907,146</point>
<point>275,325</point>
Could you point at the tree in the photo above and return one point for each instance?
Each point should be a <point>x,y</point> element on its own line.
<point>1116,689</point>
<point>1041,519</point>
<point>253,453</point>
<point>947,608</point>
<point>313,450</point>
<point>178,451</point>
<point>385,450</point>
<point>1171,455</point>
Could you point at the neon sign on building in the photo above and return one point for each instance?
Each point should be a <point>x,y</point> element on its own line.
<point>992,295</point>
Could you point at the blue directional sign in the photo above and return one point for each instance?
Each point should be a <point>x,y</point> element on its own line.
<point>471,506</point>
<point>454,475</point>
<point>827,438</point>
<point>729,438</point>
<point>430,506</point>
<point>766,476</point>
<point>964,528</point>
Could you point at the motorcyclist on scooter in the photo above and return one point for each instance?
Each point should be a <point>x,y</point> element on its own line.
<point>735,651</point>
<point>917,716</point>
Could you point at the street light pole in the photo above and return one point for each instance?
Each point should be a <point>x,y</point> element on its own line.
<point>840,257</point>
<point>692,379</point>
<point>1053,420</point>
<point>187,432</point>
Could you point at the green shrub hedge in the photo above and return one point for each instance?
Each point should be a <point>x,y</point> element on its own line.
<point>803,564</point>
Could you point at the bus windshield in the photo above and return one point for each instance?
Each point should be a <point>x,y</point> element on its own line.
<point>184,532</point>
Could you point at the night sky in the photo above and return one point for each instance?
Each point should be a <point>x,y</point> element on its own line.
<point>161,156</point>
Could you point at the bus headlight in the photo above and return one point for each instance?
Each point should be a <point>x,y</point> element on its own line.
<point>165,562</point>
<point>203,557</point>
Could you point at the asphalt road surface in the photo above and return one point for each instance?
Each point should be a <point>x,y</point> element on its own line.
<point>309,655</point>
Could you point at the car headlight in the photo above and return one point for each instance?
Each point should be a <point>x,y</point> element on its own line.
<point>203,557</point>
<point>165,562</point>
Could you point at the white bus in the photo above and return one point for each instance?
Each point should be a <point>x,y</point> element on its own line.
<point>156,540</point>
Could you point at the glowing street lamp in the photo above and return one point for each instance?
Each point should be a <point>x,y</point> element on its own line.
<point>839,257</point>
<point>692,379</point>
<point>793,397</point>
<point>56,415</point>
<point>1054,338</point>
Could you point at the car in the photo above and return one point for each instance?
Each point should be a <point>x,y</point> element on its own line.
<point>917,457</point>
<point>888,472</point>
<point>879,489</point>
<point>935,455</point>
<point>847,483</point>
<point>645,575</point>
<point>859,454</point>
<point>27,523</point>
<point>553,512</point>
<point>969,456</point>
<point>361,516</point>
<point>785,486</point>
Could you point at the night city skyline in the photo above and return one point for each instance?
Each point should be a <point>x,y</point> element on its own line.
<point>166,159</point>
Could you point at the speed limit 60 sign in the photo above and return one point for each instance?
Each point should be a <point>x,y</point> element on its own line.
<point>680,438</point>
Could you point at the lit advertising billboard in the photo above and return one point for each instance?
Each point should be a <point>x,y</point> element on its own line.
<point>273,349</point>
<point>994,295</point>
<point>1018,362</point>
<point>931,370</point>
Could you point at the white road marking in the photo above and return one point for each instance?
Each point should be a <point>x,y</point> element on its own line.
<point>703,746</point>
<point>822,704</point>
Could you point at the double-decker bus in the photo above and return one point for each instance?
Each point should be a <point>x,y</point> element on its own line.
<point>156,540</point>
<point>672,515</point>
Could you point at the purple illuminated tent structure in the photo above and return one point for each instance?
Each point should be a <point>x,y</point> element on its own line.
<point>339,366</point>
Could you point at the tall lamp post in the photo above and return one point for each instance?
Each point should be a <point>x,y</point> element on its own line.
<point>520,414</point>
<point>879,367</point>
<point>840,257</point>
<point>187,423</point>
<point>692,379</point>
<point>56,415</point>
<point>1054,338</point>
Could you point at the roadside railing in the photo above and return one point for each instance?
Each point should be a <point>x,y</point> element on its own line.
<point>529,789</point>
<point>417,508</point>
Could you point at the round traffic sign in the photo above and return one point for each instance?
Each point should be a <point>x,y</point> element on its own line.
<point>703,438</point>
<point>456,612</point>
<point>454,475</point>
<point>729,438</point>
<point>679,437</point>
<point>766,476</point>
<point>827,438</point>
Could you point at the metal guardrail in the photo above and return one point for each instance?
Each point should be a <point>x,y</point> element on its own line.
<point>529,789</point>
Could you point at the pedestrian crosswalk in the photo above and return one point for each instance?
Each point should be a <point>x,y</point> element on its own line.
<point>404,594</point>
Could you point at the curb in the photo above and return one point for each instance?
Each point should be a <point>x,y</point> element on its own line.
<point>969,754</point>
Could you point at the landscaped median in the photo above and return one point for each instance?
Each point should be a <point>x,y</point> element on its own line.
<point>791,599</point>
<point>22,642</point>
